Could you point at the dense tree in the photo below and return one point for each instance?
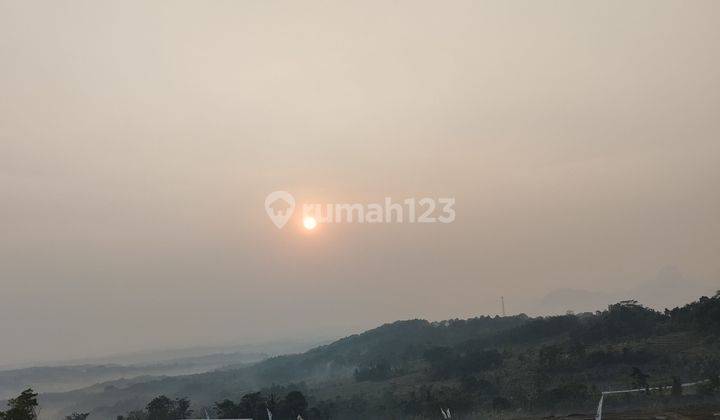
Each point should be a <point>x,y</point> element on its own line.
<point>624,319</point>
<point>452,363</point>
<point>711,386</point>
<point>567,394</point>
<point>227,409</point>
<point>134,415</point>
<point>702,315</point>
<point>295,403</point>
<point>161,408</point>
<point>182,408</point>
<point>251,405</point>
<point>549,356</point>
<point>501,404</point>
<point>639,378</point>
<point>676,387</point>
<point>255,405</point>
<point>377,372</point>
<point>22,407</point>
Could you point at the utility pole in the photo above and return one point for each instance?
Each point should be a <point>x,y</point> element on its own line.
<point>502,303</point>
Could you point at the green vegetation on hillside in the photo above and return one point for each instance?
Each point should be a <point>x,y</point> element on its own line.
<point>23,407</point>
<point>477,367</point>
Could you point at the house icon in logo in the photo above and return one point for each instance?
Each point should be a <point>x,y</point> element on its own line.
<point>279,206</point>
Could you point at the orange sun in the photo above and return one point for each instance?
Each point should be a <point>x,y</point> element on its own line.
<point>309,223</point>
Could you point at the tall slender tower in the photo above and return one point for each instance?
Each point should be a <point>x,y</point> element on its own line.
<point>502,304</point>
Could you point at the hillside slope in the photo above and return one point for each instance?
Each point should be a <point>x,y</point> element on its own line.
<point>409,368</point>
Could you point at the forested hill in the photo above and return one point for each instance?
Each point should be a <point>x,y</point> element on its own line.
<point>408,368</point>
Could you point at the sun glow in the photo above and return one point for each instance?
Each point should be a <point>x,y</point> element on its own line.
<point>309,223</point>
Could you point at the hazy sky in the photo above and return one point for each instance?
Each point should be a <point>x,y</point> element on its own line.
<point>138,141</point>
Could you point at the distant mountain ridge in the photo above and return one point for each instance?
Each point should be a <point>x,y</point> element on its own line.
<point>669,288</point>
<point>65,378</point>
